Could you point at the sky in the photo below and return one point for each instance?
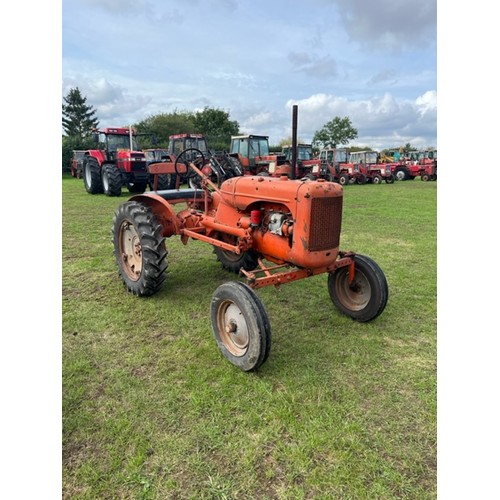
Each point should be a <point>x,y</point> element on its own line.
<point>374,62</point>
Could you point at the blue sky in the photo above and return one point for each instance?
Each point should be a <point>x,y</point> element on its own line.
<point>374,62</point>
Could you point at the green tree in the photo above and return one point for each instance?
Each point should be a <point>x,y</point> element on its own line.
<point>78,117</point>
<point>338,131</point>
<point>165,124</point>
<point>215,124</point>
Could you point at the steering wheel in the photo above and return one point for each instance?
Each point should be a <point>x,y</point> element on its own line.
<point>196,157</point>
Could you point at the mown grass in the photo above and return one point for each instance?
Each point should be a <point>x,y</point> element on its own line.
<point>151,410</point>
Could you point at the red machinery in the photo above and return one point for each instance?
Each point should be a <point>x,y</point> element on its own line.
<point>307,165</point>
<point>76,163</point>
<point>252,154</point>
<point>370,168</point>
<point>337,167</point>
<point>293,224</point>
<point>117,162</point>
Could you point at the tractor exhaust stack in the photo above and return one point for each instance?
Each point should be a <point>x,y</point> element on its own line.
<point>294,140</point>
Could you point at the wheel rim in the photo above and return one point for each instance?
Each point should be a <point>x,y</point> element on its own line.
<point>105,180</point>
<point>400,175</point>
<point>88,175</point>
<point>130,250</point>
<point>355,296</point>
<point>233,328</point>
<point>232,240</point>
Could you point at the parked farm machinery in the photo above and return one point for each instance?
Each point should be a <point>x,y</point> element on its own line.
<point>370,169</point>
<point>271,230</point>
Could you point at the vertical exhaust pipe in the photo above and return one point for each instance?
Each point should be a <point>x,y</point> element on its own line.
<point>294,140</point>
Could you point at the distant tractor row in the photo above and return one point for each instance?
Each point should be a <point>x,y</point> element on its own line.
<point>118,161</point>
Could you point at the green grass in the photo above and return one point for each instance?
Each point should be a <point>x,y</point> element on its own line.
<point>151,409</point>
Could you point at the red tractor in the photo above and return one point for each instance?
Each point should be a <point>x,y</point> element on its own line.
<point>428,163</point>
<point>307,165</point>
<point>337,167</point>
<point>415,164</point>
<point>76,163</point>
<point>250,154</point>
<point>272,230</point>
<point>116,162</point>
<point>221,165</point>
<point>159,155</point>
<point>370,168</point>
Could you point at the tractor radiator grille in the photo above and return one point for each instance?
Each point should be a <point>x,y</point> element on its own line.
<point>138,166</point>
<point>326,220</point>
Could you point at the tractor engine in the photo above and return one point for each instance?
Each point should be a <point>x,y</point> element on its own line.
<point>291,222</point>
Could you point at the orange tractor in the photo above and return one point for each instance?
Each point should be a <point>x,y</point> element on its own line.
<point>271,230</point>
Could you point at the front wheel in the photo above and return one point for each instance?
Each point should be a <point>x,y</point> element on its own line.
<point>366,297</point>
<point>241,326</point>
<point>139,248</point>
<point>389,179</point>
<point>376,179</point>
<point>111,180</point>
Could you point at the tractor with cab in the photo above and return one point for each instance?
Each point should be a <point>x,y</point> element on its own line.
<point>117,161</point>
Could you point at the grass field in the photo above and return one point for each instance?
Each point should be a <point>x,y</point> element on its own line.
<point>151,409</point>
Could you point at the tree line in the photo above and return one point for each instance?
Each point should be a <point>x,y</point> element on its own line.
<point>79,119</point>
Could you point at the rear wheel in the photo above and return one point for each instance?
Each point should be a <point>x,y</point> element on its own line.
<point>401,174</point>
<point>241,326</point>
<point>111,180</point>
<point>366,297</point>
<point>92,176</point>
<point>139,248</point>
<point>233,262</point>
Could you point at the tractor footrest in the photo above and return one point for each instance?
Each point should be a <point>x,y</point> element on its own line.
<point>181,194</point>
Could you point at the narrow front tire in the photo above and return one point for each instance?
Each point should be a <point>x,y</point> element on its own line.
<point>366,297</point>
<point>241,326</point>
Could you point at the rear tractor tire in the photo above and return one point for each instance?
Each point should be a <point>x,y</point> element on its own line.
<point>139,248</point>
<point>92,176</point>
<point>233,262</point>
<point>241,325</point>
<point>366,297</point>
<point>111,180</point>
<point>402,174</point>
